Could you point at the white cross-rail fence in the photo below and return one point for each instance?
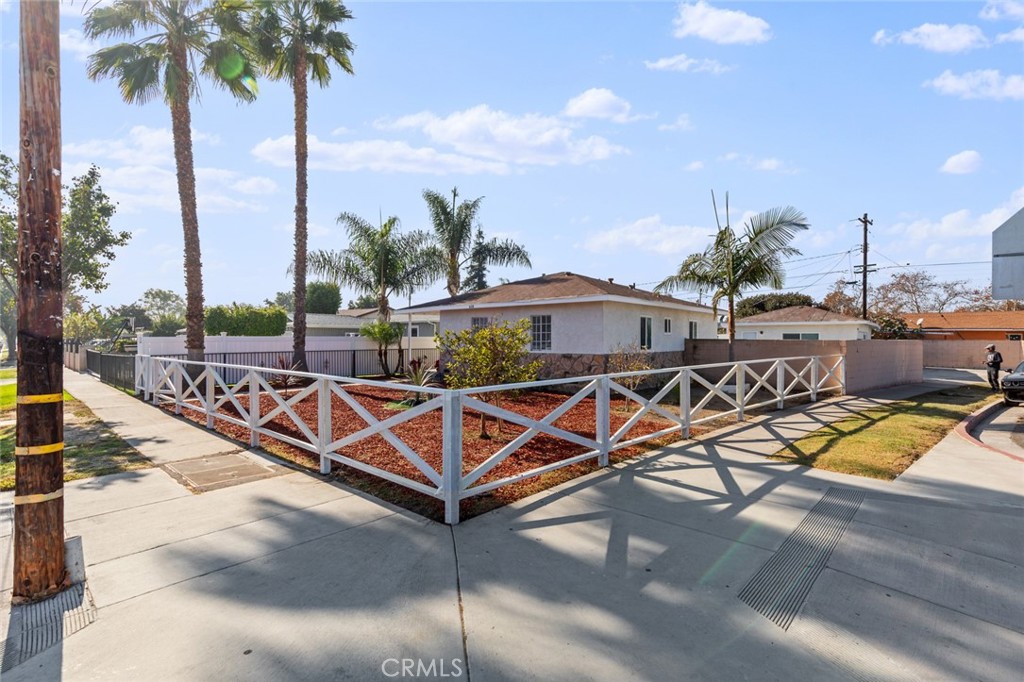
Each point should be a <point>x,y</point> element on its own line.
<point>741,386</point>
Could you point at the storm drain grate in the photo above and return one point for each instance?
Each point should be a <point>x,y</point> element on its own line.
<point>779,589</point>
<point>37,627</point>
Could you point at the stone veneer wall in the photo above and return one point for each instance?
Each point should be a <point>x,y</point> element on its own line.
<point>564,365</point>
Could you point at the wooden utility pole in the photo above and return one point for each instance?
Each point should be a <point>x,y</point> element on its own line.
<point>864,273</point>
<point>39,440</point>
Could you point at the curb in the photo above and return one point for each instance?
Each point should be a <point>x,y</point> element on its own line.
<point>964,428</point>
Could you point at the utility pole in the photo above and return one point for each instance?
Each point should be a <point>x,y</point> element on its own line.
<point>864,268</point>
<point>39,431</point>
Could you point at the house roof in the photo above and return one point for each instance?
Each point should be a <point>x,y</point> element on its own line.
<point>560,287</point>
<point>999,320</point>
<point>801,314</point>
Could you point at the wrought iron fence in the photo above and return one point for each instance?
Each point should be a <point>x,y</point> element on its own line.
<point>116,369</point>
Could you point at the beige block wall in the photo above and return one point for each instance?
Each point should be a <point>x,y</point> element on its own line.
<point>869,364</point>
<point>970,354</point>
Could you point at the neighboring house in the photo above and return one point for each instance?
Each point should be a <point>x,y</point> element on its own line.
<point>803,323</point>
<point>968,326</point>
<point>1008,259</point>
<point>348,322</point>
<point>578,321</point>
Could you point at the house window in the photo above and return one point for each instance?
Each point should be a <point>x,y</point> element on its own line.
<point>478,322</point>
<point>788,336</point>
<point>540,332</point>
<point>693,330</point>
<point>668,325</point>
<point>1013,337</point>
<point>645,333</point>
<point>414,331</point>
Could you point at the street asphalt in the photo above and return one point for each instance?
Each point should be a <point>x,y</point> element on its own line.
<point>644,571</point>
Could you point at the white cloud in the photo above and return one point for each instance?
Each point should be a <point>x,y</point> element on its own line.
<point>694,166</point>
<point>983,84</point>
<point>75,43</point>
<point>768,164</point>
<point>600,103</point>
<point>373,155</point>
<point>529,139</point>
<point>649,234</point>
<point>1014,36</point>
<point>936,37</point>
<point>681,62</point>
<point>956,225</point>
<point>682,122</point>
<point>254,185</point>
<point>723,26</point>
<point>995,10</point>
<point>342,130</point>
<point>967,161</point>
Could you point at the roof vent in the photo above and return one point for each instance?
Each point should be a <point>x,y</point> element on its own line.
<point>611,280</point>
<point>633,285</point>
<point>568,273</point>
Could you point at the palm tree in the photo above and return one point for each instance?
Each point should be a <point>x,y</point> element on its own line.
<point>296,42</point>
<point>183,38</point>
<point>453,231</point>
<point>379,261</point>
<point>735,262</point>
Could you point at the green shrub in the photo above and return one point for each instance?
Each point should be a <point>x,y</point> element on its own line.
<point>323,298</point>
<point>167,325</point>
<point>246,320</point>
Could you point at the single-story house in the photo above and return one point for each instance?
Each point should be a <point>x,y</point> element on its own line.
<point>1000,325</point>
<point>577,322</point>
<point>803,323</point>
<point>348,322</point>
<point>1008,259</point>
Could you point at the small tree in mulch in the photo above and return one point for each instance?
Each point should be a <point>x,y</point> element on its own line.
<point>420,374</point>
<point>630,358</point>
<point>488,356</point>
<point>384,334</point>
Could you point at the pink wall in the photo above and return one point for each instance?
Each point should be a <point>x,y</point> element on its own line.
<point>970,354</point>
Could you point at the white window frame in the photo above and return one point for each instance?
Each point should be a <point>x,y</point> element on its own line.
<point>478,322</point>
<point>414,331</point>
<point>540,337</point>
<point>693,329</point>
<point>646,329</point>
<point>667,325</point>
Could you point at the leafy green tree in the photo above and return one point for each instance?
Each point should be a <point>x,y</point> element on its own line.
<point>162,302</point>
<point>476,273</point>
<point>735,261</point>
<point>182,39</point>
<point>297,41</point>
<point>283,299</point>
<point>384,334</point>
<point>89,242</point>
<point>84,326</point>
<point>379,261</point>
<point>168,325</point>
<point>131,311</point>
<point>488,356</point>
<point>765,303</point>
<point>453,225</point>
<point>364,301</point>
<point>323,298</point>
<point>891,327</point>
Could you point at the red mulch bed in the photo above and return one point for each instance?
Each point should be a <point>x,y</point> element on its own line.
<point>423,435</point>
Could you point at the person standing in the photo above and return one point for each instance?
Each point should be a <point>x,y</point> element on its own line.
<point>993,360</point>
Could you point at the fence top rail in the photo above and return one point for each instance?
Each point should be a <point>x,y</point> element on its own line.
<point>306,375</point>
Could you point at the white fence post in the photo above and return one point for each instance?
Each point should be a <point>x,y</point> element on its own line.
<point>842,375</point>
<point>684,403</point>
<point>780,383</point>
<point>254,409</point>
<point>451,463</point>
<point>741,389</point>
<point>178,369</point>
<point>323,423</point>
<point>154,368</point>
<point>210,391</point>
<point>814,378</point>
<point>602,429</point>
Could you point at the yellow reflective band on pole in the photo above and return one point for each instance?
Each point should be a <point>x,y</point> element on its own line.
<point>36,499</point>
<point>38,449</point>
<point>43,398</point>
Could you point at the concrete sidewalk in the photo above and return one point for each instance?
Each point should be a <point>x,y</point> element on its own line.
<point>630,573</point>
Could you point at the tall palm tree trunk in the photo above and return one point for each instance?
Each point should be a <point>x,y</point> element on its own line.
<point>301,230</point>
<point>181,127</point>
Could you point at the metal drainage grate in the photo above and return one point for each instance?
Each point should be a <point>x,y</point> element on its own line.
<point>37,627</point>
<point>779,589</point>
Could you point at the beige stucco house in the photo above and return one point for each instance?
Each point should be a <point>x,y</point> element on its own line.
<point>803,323</point>
<point>578,321</point>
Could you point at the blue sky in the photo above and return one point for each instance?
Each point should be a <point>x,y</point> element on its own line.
<point>595,132</point>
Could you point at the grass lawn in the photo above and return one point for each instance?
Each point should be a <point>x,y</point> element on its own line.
<point>882,442</point>
<point>8,394</point>
<point>8,372</point>
<point>91,449</point>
